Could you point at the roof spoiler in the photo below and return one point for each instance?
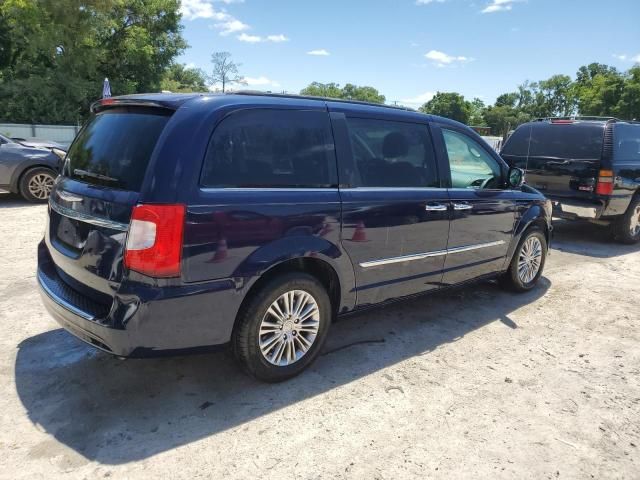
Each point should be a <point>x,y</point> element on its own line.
<point>113,102</point>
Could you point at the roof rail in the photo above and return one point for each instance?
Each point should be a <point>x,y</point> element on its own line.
<point>581,117</point>
<point>326,99</point>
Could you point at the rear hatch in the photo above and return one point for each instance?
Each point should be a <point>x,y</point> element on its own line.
<point>562,159</point>
<point>90,207</point>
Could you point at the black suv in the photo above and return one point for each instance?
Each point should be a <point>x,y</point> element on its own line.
<point>588,166</point>
<point>184,221</point>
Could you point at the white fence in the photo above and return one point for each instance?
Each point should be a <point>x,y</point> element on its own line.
<point>495,142</point>
<point>54,133</point>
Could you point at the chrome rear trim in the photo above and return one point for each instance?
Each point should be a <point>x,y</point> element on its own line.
<point>83,217</point>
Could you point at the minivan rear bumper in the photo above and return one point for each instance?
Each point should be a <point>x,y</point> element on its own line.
<point>143,320</point>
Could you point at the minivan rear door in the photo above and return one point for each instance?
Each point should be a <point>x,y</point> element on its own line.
<point>395,212</point>
<point>91,204</point>
<point>562,158</point>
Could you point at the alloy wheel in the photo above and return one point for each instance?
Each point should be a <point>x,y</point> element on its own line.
<point>40,185</point>
<point>289,328</point>
<point>634,223</point>
<point>529,260</point>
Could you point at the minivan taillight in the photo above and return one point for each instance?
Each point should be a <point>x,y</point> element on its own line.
<point>154,242</point>
<point>605,183</point>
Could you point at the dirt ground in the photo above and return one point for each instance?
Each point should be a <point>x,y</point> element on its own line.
<point>473,383</point>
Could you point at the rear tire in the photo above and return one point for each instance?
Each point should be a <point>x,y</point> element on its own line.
<point>36,184</point>
<point>527,263</point>
<point>627,229</point>
<point>288,314</point>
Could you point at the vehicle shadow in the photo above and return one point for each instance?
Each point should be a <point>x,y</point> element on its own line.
<point>584,238</point>
<point>115,411</point>
<point>11,200</point>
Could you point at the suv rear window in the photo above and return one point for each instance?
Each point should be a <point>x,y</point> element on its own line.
<point>114,148</point>
<point>572,141</point>
<point>271,148</point>
<point>626,145</point>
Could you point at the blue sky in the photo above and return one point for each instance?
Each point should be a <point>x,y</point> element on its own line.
<point>409,49</point>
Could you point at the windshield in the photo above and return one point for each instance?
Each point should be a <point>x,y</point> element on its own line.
<point>114,148</point>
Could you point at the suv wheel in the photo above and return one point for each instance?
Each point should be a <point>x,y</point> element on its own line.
<point>283,327</point>
<point>36,184</point>
<point>627,229</point>
<point>527,263</point>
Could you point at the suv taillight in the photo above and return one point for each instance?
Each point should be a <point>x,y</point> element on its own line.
<point>154,242</point>
<point>605,183</point>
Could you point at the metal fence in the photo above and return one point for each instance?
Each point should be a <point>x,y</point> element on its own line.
<point>54,133</point>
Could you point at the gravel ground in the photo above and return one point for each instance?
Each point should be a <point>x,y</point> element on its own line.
<point>471,383</point>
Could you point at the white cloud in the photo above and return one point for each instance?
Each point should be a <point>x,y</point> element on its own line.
<point>427,2</point>
<point>441,59</point>
<point>320,52</point>
<point>499,6</point>
<point>277,38</point>
<point>418,100</point>
<point>231,25</point>
<point>193,9</point>
<point>243,37</point>
<point>261,81</point>
<point>623,57</point>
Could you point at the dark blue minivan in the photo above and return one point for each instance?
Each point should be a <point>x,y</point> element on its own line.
<point>181,222</point>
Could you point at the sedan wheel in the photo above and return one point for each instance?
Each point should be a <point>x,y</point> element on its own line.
<point>40,185</point>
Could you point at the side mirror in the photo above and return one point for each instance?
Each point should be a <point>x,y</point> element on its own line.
<point>516,177</point>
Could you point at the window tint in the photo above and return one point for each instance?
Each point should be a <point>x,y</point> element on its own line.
<point>271,148</point>
<point>471,165</point>
<point>114,148</point>
<point>626,146</point>
<point>392,154</point>
<point>572,141</point>
<point>518,143</point>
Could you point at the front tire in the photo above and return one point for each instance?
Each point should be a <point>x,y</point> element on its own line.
<point>627,229</point>
<point>282,328</point>
<point>527,263</point>
<point>36,184</point>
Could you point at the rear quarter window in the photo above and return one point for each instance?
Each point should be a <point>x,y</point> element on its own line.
<point>517,144</point>
<point>265,148</point>
<point>626,143</point>
<point>115,146</point>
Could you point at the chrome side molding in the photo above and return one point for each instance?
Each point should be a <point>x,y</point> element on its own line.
<point>435,253</point>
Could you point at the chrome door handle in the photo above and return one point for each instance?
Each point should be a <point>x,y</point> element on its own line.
<point>435,207</point>
<point>462,206</point>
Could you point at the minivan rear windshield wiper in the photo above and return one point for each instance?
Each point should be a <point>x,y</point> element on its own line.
<point>84,173</point>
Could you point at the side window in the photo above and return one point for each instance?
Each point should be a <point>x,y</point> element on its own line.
<point>471,166</point>
<point>271,148</point>
<point>392,154</point>
<point>626,146</point>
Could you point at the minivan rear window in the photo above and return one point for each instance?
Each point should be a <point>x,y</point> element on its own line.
<point>114,148</point>
<point>262,148</point>
<point>572,141</point>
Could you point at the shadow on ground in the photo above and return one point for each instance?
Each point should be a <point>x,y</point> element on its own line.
<point>115,411</point>
<point>11,200</point>
<point>585,238</point>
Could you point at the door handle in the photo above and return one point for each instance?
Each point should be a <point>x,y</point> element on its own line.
<point>435,207</point>
<point>462,206</point>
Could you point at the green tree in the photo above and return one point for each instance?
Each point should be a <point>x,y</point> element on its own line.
<point>180,78</point>
<point>54,54</point>
<point>599,89</point>
<point>225,70</point>
<point>628,107</point>
<point>348,92</point>
<point>476,118</point>
<point>450,105</point>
